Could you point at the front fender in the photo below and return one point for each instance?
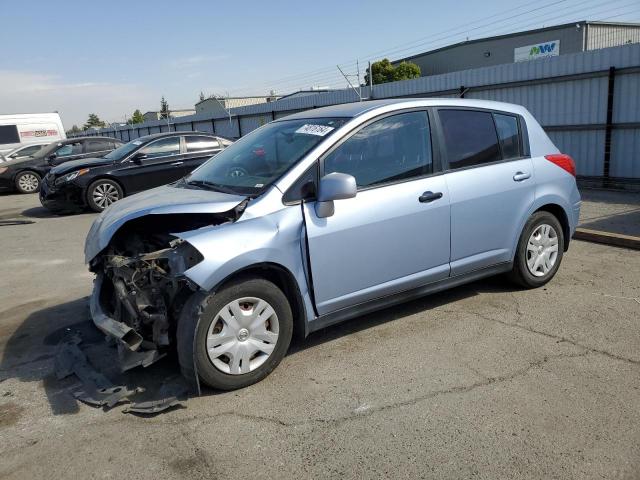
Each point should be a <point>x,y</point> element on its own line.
<point>276,238</point>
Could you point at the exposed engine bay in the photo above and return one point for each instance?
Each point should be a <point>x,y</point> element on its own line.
<point>141,287</point>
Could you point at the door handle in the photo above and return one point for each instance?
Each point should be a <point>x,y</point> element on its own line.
<point>520,176</point>
<point>177,163</point>
<point>428,197</point>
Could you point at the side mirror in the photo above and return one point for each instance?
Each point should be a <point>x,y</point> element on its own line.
<point>51,159</point>
<point>139,157</point>
<point>334,186</point>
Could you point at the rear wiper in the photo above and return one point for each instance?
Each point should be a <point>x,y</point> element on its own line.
<point>211,186</point>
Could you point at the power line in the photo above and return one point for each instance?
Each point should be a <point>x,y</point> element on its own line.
<point>330,75</point>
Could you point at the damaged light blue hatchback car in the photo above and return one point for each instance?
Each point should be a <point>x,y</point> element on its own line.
<point>323,216</point>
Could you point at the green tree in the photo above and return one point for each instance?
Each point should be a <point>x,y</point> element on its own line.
<point>383,72</point>
<point>73,130</point>
<point>164,108</point>
<point>94,121</point>
<point>136,118</point>
<point>406,71</point>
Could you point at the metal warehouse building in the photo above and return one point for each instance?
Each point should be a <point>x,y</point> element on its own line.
<point>522,46</point>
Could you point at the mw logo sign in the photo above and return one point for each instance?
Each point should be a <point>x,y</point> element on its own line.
<point>539,50</point>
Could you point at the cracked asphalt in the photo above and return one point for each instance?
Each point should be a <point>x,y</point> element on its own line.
<point>483,381</point>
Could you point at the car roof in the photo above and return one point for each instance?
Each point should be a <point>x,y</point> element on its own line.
<point>75,139</point>
<point>153,136</point>
<point>351,110</point>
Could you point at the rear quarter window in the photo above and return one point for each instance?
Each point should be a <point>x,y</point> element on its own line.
<point>509,135</point>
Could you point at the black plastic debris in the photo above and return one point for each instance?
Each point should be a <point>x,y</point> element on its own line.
<point>98,391</point>
<point>106,397</point>
<point>153,406</point>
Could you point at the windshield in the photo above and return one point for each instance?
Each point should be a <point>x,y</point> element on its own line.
<point>255,161</point>
<point>123,150</point>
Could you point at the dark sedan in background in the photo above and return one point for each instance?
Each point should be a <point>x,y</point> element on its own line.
<point>143,163</point>
<point>25,174</point>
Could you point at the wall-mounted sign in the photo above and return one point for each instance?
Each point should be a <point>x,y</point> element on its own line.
<point>538,50</point>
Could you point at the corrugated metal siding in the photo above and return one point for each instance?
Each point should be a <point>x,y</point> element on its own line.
<point>251,123</point>
<point>625,153</point>
<point>226,128</point>
<point>604,36</point>
<point>585,147</point>
<point>203,126</point>
<point>626,100</point>
<point>562,103</point>
<point>542,86</point>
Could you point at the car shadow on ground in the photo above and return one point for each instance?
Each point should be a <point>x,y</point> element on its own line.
<point>42,212</point>
<point>30,351</point>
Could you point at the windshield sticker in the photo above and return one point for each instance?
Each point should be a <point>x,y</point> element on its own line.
<point>319,130</point>
<point>259,185</point>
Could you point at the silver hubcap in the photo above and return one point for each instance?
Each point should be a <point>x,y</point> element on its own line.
<point>105,194</point>
<point>242,335</point>
<point>542,250</point>
<point>28,182</point>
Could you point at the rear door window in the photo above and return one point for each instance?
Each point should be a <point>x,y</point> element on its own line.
<point>392,149</point>
<point>509,135</point>
<point>97,145</point>
<point>470,138</point>
<point>197,144</point>
<point>69,149</point>
<point>9,134</point>
<point>162,148</point>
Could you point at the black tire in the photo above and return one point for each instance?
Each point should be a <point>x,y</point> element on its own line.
<point>521,274</point>
<point>103,184</point>
<point>21,183</point>
<point>196,320</point>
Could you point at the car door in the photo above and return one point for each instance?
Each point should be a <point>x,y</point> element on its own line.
<point>66,153</point>
<point>198,149</point>
<point>394,234</point>
<point>154,164</point>
<point>490,181</point>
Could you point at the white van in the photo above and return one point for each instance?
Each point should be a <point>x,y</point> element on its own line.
<point>21,129</point>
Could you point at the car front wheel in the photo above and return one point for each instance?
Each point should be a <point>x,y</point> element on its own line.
<point>242,332</point>
<point>539,251</point>
<point>27,182</point>
<point>103,193</point>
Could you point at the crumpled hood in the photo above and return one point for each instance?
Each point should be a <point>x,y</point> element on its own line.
<point>72,165</point>
<point>161,200</point>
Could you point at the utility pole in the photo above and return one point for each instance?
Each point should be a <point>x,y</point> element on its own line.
<point>370,81</point>
<point>346,77</point>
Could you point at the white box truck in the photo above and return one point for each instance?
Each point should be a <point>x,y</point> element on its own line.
<point>21,129</point>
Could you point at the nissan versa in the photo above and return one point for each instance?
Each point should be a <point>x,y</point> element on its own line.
<point>351,208</point>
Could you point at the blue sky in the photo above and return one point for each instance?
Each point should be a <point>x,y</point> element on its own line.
<point>113,57</point>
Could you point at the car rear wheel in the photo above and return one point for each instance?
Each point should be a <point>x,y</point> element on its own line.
<point>103,193</point>
<point>27,182</point>
<point>539,251</point>
<point>242,332</point>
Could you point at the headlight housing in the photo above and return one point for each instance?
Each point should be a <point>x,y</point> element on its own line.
<point>71,176</point>
<point>3,169</point>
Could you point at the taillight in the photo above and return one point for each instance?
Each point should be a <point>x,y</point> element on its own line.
<point>563,161</point>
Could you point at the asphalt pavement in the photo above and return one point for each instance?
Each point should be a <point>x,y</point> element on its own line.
<point>484,381</point>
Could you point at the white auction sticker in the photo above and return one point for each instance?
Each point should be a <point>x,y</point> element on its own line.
<point>319,130</point>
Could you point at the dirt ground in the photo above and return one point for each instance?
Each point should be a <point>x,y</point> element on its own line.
<point>484,381</point>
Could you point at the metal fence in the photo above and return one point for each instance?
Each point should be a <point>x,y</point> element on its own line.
<point>589,103</point>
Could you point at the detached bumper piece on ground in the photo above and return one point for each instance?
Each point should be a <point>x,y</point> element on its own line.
<point>98,391</point>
